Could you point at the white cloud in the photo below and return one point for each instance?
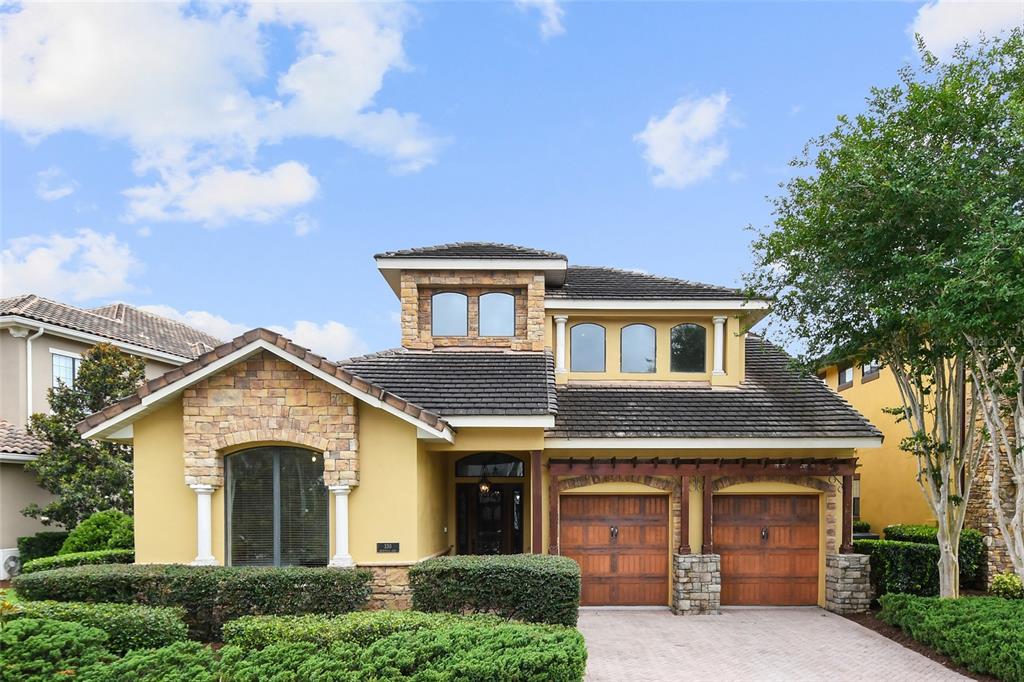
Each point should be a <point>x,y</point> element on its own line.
<point>685,145</point>
<point>330,339</point>
<point>304,224</point>
<point>119,70</point>
<point>551,13</point>
<point>78,267</point>
<point>144,231</point>
<point>53,184</point>
<point>944,23</point>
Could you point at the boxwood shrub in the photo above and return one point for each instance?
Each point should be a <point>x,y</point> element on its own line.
<point>37,650</point>
<point>1007,586</point>
<point>984,634</point>
<point>103,556</point>
<point>529,587</point>
<point>907,567</point>
<point>128,626</point>
<point>46,543</point>
<point>972,547</point>
<point>210,595</point>
<point>109,529</point>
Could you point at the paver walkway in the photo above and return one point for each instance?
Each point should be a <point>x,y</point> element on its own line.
<point>745,644</point>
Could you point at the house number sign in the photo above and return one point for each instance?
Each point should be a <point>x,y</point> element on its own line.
<point>387,547</point>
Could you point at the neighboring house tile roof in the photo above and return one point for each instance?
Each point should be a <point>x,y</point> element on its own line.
<point>472,250</point>
<point>775,401</point>
<point>593,282</point>
<point>464,382</point>
<point>16,440</point>
<point>117,321</point>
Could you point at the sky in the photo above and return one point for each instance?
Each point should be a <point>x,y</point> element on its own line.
<point>236,165</point>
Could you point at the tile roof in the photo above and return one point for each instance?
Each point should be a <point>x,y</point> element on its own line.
<point>117,321</point>
<point>472,250</point>
<point>464,382</point>
<point>774,402</point>
<point>16,440</point>
<point>594,282</point>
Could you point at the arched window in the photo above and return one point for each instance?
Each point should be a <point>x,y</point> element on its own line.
<point>689,348</point>
<point>449,314</point>
<point>489,464</point>
<point>277,507</point>
<point>497,314</point>
<point>638,348</point>
<point>586,345</point>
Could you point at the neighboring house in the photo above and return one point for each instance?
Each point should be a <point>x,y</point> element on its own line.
<point>619,418</point>
<point>41,344</point>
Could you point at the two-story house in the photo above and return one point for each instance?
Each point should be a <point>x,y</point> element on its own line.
<point>41,344</point>
<point>623,419</point>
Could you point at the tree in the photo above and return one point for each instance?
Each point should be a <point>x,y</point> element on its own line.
<point>86,476</point>
<point>865,246</point>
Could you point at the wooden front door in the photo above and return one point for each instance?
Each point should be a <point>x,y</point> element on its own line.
<point>769,548</point>
<point>621,545</point>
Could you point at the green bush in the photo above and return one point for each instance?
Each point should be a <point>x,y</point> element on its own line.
<point>861,527</point>
<point>972,547</point>
<point>210,595</point>
<point>110,529</point>
<point>128,626</point>
<point>530,587</point>
<point>36,650</point>
<point>179,662</point>
<point>46,543</point>
<point>984,634</point>
<point>904,567</point>
<point>1007,586</point>
<point>101,556</point>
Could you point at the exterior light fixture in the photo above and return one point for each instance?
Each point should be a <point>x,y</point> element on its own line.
<point>485,486</point>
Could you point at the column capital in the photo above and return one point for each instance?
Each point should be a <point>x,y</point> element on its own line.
<point>202,488</point>
<point>561,318</point>
<point>340,488</point>
<point>719,319</point>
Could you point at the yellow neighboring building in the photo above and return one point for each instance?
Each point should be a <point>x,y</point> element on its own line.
<point>619,418</point>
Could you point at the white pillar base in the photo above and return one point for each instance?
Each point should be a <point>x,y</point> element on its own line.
<point>340,561</point>
<point>341,558</point>
<point>204,525</point>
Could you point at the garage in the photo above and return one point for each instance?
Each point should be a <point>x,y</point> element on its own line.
<point>621,543</point>
<point>769,548</point>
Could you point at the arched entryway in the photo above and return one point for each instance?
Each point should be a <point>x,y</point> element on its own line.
<point>489,503</point>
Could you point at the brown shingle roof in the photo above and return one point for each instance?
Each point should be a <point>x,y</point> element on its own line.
<point>472,250</point>
<point>117,321</point>
<point>594,282</point>
<point>16,440</point>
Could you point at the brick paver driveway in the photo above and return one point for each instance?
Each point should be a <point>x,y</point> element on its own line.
<point>745,644</point>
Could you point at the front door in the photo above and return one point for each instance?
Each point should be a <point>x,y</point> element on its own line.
<point>489,522</point>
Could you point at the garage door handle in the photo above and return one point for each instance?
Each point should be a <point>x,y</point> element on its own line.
<point>764,535</point>
<point>613,532</point>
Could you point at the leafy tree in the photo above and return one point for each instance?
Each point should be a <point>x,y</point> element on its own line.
<point>86,476</point>
<point>866,246</point>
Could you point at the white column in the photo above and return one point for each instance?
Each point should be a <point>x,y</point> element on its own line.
<point>204,525</point>
<point>341,556</point>
<point>719,345</point>
<point>560,321</point>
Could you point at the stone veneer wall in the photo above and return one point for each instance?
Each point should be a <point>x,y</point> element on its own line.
<point>848,583</point>
<point>389,588</point>
<point>418,286</point>
<point>267,398</point>
<point>981,516</point>
<point>697,588</point>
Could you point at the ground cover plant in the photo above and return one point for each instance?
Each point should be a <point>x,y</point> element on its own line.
<point>127,626</point>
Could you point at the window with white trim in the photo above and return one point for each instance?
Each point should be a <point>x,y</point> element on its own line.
<point>845,376</point>
<point>65,369</point>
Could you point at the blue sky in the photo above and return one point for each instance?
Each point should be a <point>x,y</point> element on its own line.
<point>239,166</point>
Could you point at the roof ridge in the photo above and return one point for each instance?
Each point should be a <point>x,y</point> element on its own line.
<point>528,250</point>
<point>26,299</point>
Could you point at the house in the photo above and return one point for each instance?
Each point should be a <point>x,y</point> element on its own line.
<point>41,344</point>
<point>623,419</point>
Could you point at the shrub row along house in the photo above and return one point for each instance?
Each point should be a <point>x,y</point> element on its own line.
<point>41,344</point>
<point>621,419</point>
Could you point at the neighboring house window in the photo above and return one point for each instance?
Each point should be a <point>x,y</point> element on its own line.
<point>489,464</point>
<point>689,348</point>
<point>638,348</point>
<point>586,348</point>
<point>277,507</point>
<point>449,314</point>
<point>65,369</point>
<point>856,496</point>
<point>497,314</point>
<point>845,376</point>
<point>869,370</point>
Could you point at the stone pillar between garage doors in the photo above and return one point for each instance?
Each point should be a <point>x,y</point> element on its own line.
<point>848,583</point>
<point>697,585</point>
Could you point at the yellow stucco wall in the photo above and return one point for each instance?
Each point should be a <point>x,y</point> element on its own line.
<point>433,501</point>
<point>889,491</point>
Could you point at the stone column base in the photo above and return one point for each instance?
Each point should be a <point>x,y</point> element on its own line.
<point>848,583</point>
<point>697,589</point>
<point>390,588</point>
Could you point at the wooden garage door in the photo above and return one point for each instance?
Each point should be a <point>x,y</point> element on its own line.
<point>769,548</point>
<point>621,545</point>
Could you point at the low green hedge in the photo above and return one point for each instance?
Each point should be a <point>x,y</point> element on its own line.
<point>109,529</point>
<point>984,634</point>
<point>128,626</point>
<point>972,547</point>
<point>45,543</point>
<point>529,587</point>
<point>210,595</point>
<point>905,567</point>
<point>103,556</point>
<point>35,650</point>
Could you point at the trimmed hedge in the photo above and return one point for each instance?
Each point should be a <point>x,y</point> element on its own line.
<point>972,547</point>
<point>128,626</point>
<point>535,588</point>
<point>103,556</point>
<point>35,650</point>
<point>1007,586</point>
<point>210,595</point>
<point>861,527</point>
<point>109,529</point>
<point>984,634</point>
<point>904,567</point>
<point>46,543</point>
